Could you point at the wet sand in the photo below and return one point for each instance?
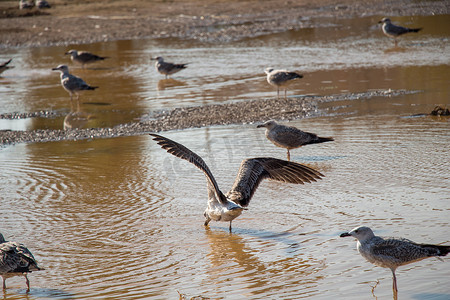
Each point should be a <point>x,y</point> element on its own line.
<point>210,21</point>
<point>77,22</point>
<point>191,117</point>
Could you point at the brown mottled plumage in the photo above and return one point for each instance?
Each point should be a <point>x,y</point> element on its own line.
<point>167,68</point>
<point>16,260</point>
<point>84,57</point>
<point>280,78</point>
<point>392,252</point>
<point>395,31</point>
<point>289,137</point>
<point>251,172</point>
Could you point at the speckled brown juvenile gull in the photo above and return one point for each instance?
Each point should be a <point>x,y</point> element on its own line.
<point>227,207</point>
<point>16,260</point>
<point>289,137</point>
<point>395,31</point>
<point>280,78</point>
<point>84,57</point>
<point>72,83</point>
<point>392,252</point>
<point>167,68</point>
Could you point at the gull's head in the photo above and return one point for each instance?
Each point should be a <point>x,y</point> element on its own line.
<point>158,58</point>
<point>385,20</point>
<point>268,70</point>
<point>61,68</point>
<point>361,233</point>
<point>269,124</point>
<point>72,52</point>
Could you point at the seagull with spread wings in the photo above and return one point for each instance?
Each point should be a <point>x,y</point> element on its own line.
<point>227,207</point>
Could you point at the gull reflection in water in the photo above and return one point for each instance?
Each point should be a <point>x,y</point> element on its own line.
<point>169,83</point>
<point>77,118</point>
<point>259,269</point>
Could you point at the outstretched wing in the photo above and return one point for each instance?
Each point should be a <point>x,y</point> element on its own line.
<point>254,170</point>
<point>181,151</point>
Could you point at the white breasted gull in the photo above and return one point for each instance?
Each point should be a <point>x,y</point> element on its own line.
<point>395,31</point>
<point>289,137</point>
<point>227,207</point>
<point>392,252</point>
<point>84,57</point>
<point>281,78</point>
<point>72,83</point>
<point>167,68</point>
<point>16,260</point>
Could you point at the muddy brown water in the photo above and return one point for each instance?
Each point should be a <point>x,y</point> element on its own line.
<point>122,219</point>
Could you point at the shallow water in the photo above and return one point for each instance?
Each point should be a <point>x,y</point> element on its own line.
<point>122,219</point>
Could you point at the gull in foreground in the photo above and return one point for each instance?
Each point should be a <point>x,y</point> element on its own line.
<point>72,83</point>
<point>280,78</point>
<point>4,66</point>
<point>392,252</point>
<point>84,57</point>
<point>227,207</point>
<point>167,68</point>
<point>289,137</point>
<point>394,31</point>
<point>16,260</point>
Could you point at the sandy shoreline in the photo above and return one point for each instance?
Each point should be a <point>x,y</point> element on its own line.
<point>196,116</point>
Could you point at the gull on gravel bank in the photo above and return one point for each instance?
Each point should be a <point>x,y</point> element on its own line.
<point>4,66</point>
<point>395,31</point>
<point>289,137</point>
<point>16,260</point>
<point>167,68</point>
<point>280,78</point>
<point>227,207</point>
<point>72,83</point>
<point>392,252</point>
<point>42,4</point>
<point>84,57</point>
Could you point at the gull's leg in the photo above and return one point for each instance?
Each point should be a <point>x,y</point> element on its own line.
<point>208,219</point>
<point>394,284</point>
<point>28,282</point>
<point>285,96</point>
<point>230,226</point>
<point>4,283</point>
<point>288,155</point>
<point>278,92</point>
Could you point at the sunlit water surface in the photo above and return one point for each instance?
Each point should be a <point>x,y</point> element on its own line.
<point>122,219</point>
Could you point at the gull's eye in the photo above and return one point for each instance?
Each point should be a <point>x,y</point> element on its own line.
<point>356,231</point>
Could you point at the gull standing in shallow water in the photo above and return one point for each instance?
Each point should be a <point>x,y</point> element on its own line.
<point>251,172</point>
<point>72,83</point>
<point>392,252</point>
<point>394,31</point>
<point>280,78</point>
<point>289,137</point>
<point>16,260</point>
<point>167,68</point>
<point>84,57</point>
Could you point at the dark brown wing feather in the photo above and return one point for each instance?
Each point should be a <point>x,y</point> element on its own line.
<point>253,171</point>
<point>182,152</point>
